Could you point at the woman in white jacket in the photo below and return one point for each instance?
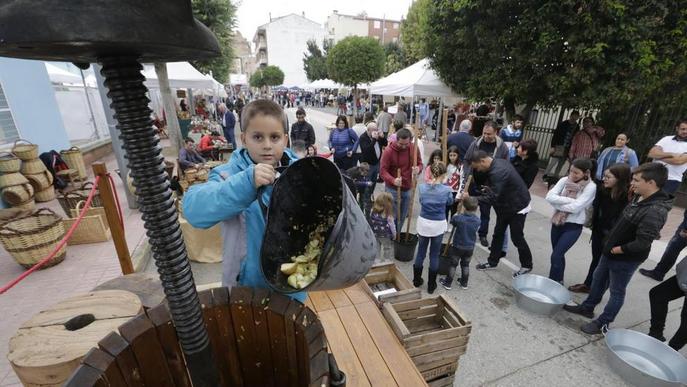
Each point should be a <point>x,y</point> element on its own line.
<point>570,198</point>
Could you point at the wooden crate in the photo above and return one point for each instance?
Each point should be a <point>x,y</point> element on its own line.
<point>386,274</point>
<point>433,331</point>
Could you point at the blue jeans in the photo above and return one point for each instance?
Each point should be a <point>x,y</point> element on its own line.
<point>613,275</point>
<point>484,214</point>
<point>434,249</point>
<point>405,200</point>
<point>563,237</point>
<point>366,197</point>
<point>675,246</point>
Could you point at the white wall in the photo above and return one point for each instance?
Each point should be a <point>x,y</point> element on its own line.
<point>287,40</point>
<point>341,26</point>
<point>76,115</point>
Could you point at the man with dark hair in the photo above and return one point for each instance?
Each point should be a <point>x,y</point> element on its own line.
<point>507,193</point>
<point>228,122</point>
<point>189,156</point>
<point>628,245</point>
<point>399,155</point>
<point>560,146</point>
<point>493,145</point>
<point>302,130</point>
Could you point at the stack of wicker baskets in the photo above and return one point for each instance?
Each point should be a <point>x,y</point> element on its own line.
<point>74,159</point>
<point>35,171</point>
<point>15,189</point>
<point>31,238</point>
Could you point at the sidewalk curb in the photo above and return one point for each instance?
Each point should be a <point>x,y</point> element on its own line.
<point>141,256</point>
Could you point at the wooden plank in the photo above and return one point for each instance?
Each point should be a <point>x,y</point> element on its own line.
<point>275,312</point>
<point>342,349</point>
<point>309,329</point>
<point>441,371</point>
<point>398,326</point>
<point>338,298</point>
<point>142,337</point>
<point>292,312</point>
<point>261,297</point>
<point>357,293</point>
<point>208,305</point>
<point>227,342</point>
<point>240,301</point>
<point>415,304</point>
<point>400,280</point>
<point>378,277</point>
<point>399,363</point>
<point>162,320</point>
<point>454,308</point>
<point>401,296</point>
<point>422,324</point>
<point>437,346</point>
<point>86,376</point>
<point>372,361</point>
<point>432,337</point>
<point>428,361</point>
<point>443,382</point>
<point>117,347</point>
<point>420,312</point>
<point>321,301</point>
<point>106,364</point>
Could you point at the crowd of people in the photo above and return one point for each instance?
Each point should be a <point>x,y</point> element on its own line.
<point>624,203</point>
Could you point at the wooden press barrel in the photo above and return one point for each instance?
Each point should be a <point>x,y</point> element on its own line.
<point>49,347</point>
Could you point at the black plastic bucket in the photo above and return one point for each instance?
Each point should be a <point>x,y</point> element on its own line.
<point>405,251</point>
<point>444,260</point>
<point>310,192</point>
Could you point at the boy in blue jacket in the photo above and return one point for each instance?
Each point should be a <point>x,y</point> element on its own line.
<point>231,194</point>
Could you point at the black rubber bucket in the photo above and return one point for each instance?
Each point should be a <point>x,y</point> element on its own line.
<point>311,192</point>
<point>405,251</point>
<point>444,261</point>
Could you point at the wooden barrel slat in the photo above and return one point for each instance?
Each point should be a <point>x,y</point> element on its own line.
<point>275,312</point>
<point>87,376</point>
<point>162,320</point>
<point>208,304</point>
<point>227,343</point>
<point>244,328</point>
<point>141,335</point>
<point>105,363</point>
<point>319,364</point>
<point>116,346</point>
<point>261,298</point>
<point>321,382</point>
<point>292,313</point>
<point>303,322</point>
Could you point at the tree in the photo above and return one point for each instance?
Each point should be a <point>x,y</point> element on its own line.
<point>395,58</point>
<point>355,60</point>
<point>610,53</point>
<point>267,76</point>
<point>415,29</point>
<point>315,61</point>
<point>220,17</point>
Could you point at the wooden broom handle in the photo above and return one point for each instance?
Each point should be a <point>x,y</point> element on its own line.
<point>414,183</point>
<point>398,205</point>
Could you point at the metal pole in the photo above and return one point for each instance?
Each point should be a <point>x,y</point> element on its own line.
<point>114,135</point>
<point>90,108</point>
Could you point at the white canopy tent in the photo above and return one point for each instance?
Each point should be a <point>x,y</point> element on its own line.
<point>324,84</point>
<point>181,76</point>
<point>416,80</point>
<point>238,79</point>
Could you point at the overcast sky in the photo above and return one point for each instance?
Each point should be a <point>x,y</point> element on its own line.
<point>253,13</point>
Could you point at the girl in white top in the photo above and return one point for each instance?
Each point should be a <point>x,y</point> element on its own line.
<point>570,198</point>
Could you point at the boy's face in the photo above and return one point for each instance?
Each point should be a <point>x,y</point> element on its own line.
<point>264,139</point>
<point>640,186</point>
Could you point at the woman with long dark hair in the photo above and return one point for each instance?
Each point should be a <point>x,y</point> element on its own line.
<point>611,198</point>
<point>342,142</point>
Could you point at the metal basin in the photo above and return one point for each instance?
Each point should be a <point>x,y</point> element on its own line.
<point>644,361</point>
<point>540,295</point>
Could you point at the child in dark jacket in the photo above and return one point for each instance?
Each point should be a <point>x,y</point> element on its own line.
<point>381,221</point>
<point>463,244</point>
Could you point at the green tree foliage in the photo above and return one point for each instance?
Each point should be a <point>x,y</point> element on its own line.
<point>607,53</point>
<point>267,76</point>
<point>315,61</point>
<point>220,17</point>
<point>395,58</point>
<point>355,60</point>
<point>415,29</point>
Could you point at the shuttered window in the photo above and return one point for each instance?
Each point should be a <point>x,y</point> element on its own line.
<point>8,130</point>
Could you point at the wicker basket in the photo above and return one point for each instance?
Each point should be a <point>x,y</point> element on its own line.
<point>30,205</point>
<point>69,200</point>
<point>9,163</point>
<point>74,159</point>
<point>32,167</point>
<point>17,194</point>
<point>92,229</point>
<point>27,151</point>
<point>10,179</point>
<point>45,195</point>
<point>40,181</point>
<point>31,238</point>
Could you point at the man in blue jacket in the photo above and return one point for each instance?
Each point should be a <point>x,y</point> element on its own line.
<point>228,122</point>
<point>230,196</point>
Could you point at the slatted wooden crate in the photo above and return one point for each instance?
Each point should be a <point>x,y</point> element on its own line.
<point>434,333</point>
<point>386,275</point>
<point>258,339</point>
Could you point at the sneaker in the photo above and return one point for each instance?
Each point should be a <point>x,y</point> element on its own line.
<point>503,254</point>
<point>464,286</point>
<point>485,266</point>
<point>591,328</point>
<point>578,309</point>
<point>651,274</point>
<point>483,241</point>
<point>657,336</point>
<point>523,270</point>
<point>445,284</point>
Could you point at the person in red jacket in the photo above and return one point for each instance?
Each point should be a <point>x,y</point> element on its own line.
<point>207,146</point>
<point>399,155</point>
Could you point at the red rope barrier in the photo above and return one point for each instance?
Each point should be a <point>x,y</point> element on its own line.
<point>64,240</point>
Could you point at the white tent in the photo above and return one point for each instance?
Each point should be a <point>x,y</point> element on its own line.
<point>181,76</point>
<point>238,79</point>
<point>58,75</point>
<point>416,80</point>
<point>324,84</point>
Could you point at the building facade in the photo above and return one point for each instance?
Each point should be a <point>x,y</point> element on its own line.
<point>283,41</point>
<point>340,26</point>
<point>244,61</point>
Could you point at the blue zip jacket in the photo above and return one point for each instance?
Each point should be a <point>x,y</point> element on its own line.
<point>229,193</point>
<point>434,199</point>
<point>343,141</point>
<point>466,226</point>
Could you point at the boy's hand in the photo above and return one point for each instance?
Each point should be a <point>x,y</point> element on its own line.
<point>617,250</point>
<point>263,174</point>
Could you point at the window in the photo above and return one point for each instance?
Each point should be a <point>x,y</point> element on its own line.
<point>378,24</point>
<point>395,26</point>
<point>8,130</point>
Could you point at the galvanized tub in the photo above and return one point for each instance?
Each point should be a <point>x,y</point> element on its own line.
<point>540,295</point>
